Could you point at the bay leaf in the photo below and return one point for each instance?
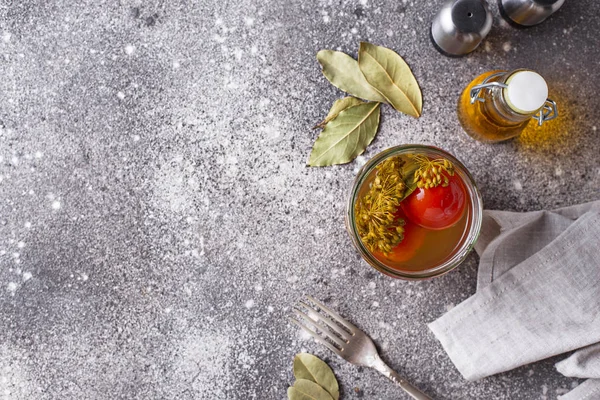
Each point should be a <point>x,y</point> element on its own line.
<point>408,176</point>
<point>304,389</point>
<point>337,107</point>
<point>343,73</point>
<point>346,136</point>
<point>307,366</point>
<point>391,76</point>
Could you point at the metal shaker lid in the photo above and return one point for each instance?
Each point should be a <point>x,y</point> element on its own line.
<point>528,12</point>
<point>460,26</point>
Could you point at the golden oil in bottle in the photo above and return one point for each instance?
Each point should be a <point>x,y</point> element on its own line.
<point>498,105</point>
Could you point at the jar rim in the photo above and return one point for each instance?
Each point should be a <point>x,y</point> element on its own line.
<point>475,208</point>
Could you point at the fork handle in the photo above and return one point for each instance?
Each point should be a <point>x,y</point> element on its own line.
<point>398,380</point>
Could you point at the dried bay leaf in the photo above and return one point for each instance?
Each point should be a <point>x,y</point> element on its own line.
<point>346,136</point>
<point>337,107</point>
<point>304,389</point>
<point>307,366</point>
<point>343,72</point>
<point>389,74</point>
<point>408,175</point>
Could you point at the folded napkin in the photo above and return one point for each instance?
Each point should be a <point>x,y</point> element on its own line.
<point>584,363</point>
<point>538,295</point>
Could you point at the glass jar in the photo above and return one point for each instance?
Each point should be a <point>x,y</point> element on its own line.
<point>498,105</point>
<point>474,216</point>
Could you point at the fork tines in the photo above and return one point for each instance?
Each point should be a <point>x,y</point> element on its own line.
<point>324,324</point>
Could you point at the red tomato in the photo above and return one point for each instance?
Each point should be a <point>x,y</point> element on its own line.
<point>407,248</point>
<point>438,207</point>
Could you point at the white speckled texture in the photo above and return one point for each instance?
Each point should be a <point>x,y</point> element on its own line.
<point>157,219</point>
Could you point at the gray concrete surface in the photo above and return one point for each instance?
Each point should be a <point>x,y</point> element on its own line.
<point>157,220</point>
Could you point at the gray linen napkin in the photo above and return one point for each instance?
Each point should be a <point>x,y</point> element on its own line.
<point>588,390</point>
<point>538,293</point>
<point>584,363</point>
<point>507,238</point>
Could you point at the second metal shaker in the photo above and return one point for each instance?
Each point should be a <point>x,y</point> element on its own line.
<point>526,13</point>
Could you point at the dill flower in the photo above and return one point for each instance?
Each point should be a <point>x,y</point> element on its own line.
<point>431,172</point>
<point>378,227</point>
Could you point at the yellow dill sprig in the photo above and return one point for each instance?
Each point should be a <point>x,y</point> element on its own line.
<point>430,173</point>
<point>377,225</point>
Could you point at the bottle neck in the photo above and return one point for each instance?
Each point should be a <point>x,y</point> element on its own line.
<point>496,106</point>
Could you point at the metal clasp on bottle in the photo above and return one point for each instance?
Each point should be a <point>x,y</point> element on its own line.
<point>547,112</point>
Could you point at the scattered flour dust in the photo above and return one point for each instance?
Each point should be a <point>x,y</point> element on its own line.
<point>15,381</point>
<point>12,287</point>
<point>518,186</point>
<point>205,362</point>
<point>176,185</point>
<point>561,391</point>
<point>303,335</point>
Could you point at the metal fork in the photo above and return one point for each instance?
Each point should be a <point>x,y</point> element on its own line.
<point>346,340</point>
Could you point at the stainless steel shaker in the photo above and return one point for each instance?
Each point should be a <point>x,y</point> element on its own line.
<point>460,26</point>
<point>526,13</point>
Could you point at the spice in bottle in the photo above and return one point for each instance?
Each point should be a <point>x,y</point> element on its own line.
<point>498,105</point>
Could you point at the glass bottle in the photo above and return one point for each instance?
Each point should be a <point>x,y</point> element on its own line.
<point>498,105</point>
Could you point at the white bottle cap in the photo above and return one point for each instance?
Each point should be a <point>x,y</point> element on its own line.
<point>526,93</point>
